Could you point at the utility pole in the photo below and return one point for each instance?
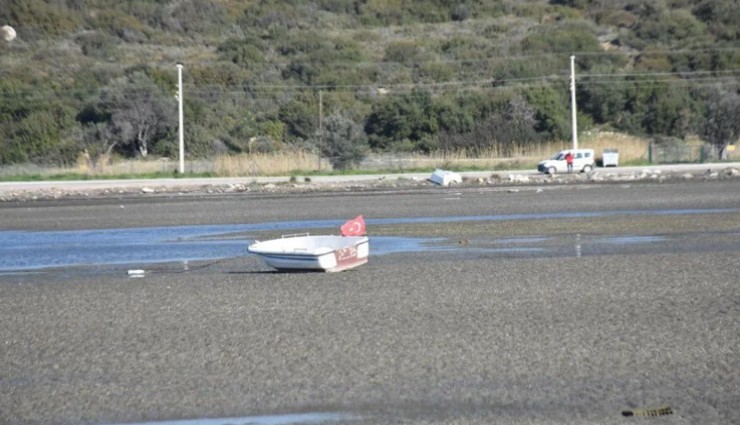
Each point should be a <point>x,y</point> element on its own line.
<point>573,101</point>
<point>321,126</point>
<point>180,117</point>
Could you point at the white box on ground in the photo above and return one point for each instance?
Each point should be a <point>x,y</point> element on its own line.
<point>445,178</point>
<point>610,158</point>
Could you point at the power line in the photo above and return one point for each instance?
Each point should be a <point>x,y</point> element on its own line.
<point>653,74</point>
<point>489,60</point>
<point>246,88</point>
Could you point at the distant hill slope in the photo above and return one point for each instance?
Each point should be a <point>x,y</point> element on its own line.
<point>99,75</point>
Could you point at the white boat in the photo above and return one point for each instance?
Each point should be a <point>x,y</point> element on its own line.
<point>303,252</point>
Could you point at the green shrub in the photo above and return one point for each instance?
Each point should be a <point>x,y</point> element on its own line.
<point>669,28</point>
<point>398,12</point>
<point>39,18</point>
<point>551,111</point>
<point>602,99</point>
<point>191,17</point>
<point>98,45</point>
<point>343,142</point>
<point>409,117</point>
<point>405,52</point>
<point>321,61</point>
<point>722,18</point>
<point>122,25</point>
<point>564,37</point>
<point>36,136</point>
<point>464,48</point>
<point>433,72</point>
<point>214,75</point>
<point>579,4</point>
<point>247,52</point>
<point>300,117</point>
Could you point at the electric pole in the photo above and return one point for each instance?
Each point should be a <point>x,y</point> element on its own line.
<point>180,117</point>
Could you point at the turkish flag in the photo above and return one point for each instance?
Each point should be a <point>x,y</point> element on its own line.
<point>354,227</point>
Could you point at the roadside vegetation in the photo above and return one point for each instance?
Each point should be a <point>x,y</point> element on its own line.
<point>279,87</point>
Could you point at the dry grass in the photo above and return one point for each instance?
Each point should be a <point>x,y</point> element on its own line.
<point>630,149</point>
<point>267,164</point>
<point>118,167</point>
<point>299,162</point>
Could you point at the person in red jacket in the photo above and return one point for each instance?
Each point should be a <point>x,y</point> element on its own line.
<point>569,161</point>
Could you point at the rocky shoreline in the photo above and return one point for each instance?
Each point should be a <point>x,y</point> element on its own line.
<point>510,180</point>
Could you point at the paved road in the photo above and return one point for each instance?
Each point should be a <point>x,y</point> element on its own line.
<point>466,336</point>
<point>173,183</point>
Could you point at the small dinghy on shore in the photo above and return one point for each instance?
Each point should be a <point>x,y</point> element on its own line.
<point>324,253</point>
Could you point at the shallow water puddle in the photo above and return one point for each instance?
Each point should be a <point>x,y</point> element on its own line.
<point>24,251</point>
<point>628,240</point>
<point>298,418</point>
<point>31,250</point>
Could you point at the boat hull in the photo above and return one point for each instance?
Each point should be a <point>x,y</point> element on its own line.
<point>313,253</point>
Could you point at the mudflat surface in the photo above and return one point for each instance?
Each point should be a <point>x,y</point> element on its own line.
<point>469,335</point>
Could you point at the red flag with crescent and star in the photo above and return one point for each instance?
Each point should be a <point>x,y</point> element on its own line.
<point>354,227</point>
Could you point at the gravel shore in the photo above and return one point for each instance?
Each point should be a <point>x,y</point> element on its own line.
<point>210,187</point>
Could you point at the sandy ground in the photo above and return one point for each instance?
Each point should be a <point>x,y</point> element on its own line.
<point>464,337</point>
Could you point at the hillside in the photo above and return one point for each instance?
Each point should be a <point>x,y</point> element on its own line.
<point>98,76</point>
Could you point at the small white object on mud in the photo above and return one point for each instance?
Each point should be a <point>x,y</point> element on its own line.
<point>445,178</point>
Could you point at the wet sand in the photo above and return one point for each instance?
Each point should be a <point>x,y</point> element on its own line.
<point>464,336</point>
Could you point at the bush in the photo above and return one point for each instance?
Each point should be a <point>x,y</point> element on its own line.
<point>578,4</point>
<point>460,12</point>
<point>214,75</point>
<point>721,126</point>
<point>409,117</point>
<point>39,17</point>
<point>565,37</point>
<point>722,18</point>
<point>343,142</point>
<point>405,52</point>
<point>36,137</point>
<point>397,12</point>
<point>247,52</point>
<point>124,26</point>
<point>669,28</point>
<point>551,112</point>
<point>98,45</point>
<point>603,101</point>
<point>191,17</point>
<point>433,72</point>
<point>300,117</point>
<point>323,62</point>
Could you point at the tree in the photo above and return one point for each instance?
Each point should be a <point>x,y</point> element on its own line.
<point>300,119</point>
<point>343,142</point>
<point>411,117</point>
<point>513,128</point>
<point>36,136</point>
<point>551,110</point>
<point>722,125</point>
<point>507,126</point>
<point>666,111</point>
<point>141,113</point>
<point>97,142</point>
